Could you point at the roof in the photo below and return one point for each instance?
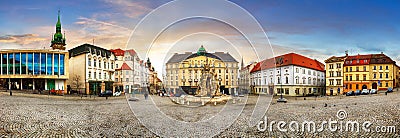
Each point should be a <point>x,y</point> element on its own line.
<point>335,59</point>
<point>368,59</point>
<point>118,52</point>
<point>88,48</point>
<point>131,51</point>
<point>225,57</point>
<point>289,59</point>
<point>124,67</point>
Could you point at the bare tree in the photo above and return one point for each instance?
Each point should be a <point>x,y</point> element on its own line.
<point>76,82</point>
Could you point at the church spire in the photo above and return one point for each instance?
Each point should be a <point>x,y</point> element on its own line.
<point>58,41</point>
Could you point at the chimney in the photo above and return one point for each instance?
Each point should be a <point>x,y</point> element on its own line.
<point>381,52</point>
<point>347,53</point>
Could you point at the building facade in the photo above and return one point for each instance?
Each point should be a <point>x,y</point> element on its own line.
<point>244,79</point>
<point>334,75</point>
<point>94,66</point>
<point>290,74</point>
<point>129,71</point>
<point>36,69</point>
<point>183,71</point>
<point>372,71</point>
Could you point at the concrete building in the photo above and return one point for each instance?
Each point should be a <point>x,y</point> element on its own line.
<point>33,69</point>
<point>94,66</point>
<point>183,71</point>
<point>290,74</point>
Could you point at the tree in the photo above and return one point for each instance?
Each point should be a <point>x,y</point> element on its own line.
<point>76,81</point>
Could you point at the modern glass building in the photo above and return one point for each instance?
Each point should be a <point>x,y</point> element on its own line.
<point>33,69</point>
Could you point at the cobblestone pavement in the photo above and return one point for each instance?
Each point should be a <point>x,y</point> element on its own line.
<point>42,116</point>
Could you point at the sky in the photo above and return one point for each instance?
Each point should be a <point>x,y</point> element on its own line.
<point>316,29</point>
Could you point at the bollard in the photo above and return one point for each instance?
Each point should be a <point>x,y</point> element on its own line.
<point>215,103</point>
<point>10,92</point>
<point>202,102</point>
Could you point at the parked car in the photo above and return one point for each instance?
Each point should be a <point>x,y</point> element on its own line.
<point>357,92</point>
<point>107,93</point>
<point>373,91</point>
<point>365,92</point>
<point>350,93</point>
<point>117,93</point>
<point>390,89</point>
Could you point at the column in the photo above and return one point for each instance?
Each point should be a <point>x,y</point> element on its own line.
<point>33,82</point>
<point>21,85</point>
<point>87,87</point>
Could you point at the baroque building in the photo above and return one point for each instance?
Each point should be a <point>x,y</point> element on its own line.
<point>290,74</point>
<point>183,71</point>
<point>334,75</point>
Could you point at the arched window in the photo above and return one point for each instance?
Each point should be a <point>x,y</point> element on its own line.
<point>95,63</point>
<point>287,80</point>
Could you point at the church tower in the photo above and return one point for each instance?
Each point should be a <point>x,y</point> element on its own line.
<point>58,41</point>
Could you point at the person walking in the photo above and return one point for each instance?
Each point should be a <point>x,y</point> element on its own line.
<point>146,94</point>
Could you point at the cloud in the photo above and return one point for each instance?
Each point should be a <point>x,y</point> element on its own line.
<point>21,39</point>
<point>129,8</point>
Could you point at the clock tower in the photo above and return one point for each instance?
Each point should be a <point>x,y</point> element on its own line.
<point>58,41</point>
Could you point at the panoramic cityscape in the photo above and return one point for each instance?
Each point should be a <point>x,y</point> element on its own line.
<point>207,73</point>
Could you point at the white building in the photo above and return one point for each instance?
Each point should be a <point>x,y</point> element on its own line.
<point>292,74</point>
<point>94,66</point>
<point>131,74</point>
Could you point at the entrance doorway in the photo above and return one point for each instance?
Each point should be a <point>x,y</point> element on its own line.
<point>374,85</point>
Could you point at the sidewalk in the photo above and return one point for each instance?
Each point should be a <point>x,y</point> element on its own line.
<point>65,97</point>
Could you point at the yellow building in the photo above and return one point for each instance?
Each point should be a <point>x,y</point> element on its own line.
<point>184,70</point>
<point>334,75</point>
<point>373,71</point>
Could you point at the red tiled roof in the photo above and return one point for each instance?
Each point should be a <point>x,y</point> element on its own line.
<point>124,67</point>
<point>131,51</point>
<point>118,52</point>
<point>289,59</point>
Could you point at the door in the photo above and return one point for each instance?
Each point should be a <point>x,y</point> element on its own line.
<point>374,85</point>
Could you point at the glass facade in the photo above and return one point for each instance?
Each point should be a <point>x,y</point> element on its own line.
<point>4,63</point>
<point>23,63</point>
<point>49,66</point>
<point>56,64</point>
<point>32,63</point>
<point>43,63</point>
<point>62,64</point>
<point>17,63</point>
<point>36,63</point>
<point>10,63</point>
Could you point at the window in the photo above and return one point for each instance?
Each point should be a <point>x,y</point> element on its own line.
<point>338,65</point>
<point>380,67</point>
<point>112,65</point>
<point>364,77</point>
<point>350,85</point>
<point>357,77</point>
<point>347,69</point>
<point>365,68</point>
<point>99,63</point>
<point>357,68</point>
<point>387,84</point>
<point>94,74</point>
<point>116,65</point>
<point>286,90</point>
<point>351,77</point>
<point>338,73</point>
<point>380,75</point>
<point>330,66</point>
<point>351,69</point>
<point>297,70</point>
<point>99,75</point>
<point>297,80</point>
<point>127,79</point>
<point>90,74</point>
<point>374,75</point>
<point>338,82</point>
<point>387,75</point>
<point>387,67</point>
<point>279,80</point>
<point>89,62</point>
<point>287,80</point>
<point>42,63</point>
<point>62,64</point>
<point>357,86</point>
<point>49,64</point>
<point>347,78</point>
<point>56,59</point>
<point>331,82</point>
<point>17,63</point>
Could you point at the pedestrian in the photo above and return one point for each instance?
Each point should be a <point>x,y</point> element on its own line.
<point>146,94</point>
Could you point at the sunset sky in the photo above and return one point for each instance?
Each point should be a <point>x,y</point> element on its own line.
<point>317,29</point>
